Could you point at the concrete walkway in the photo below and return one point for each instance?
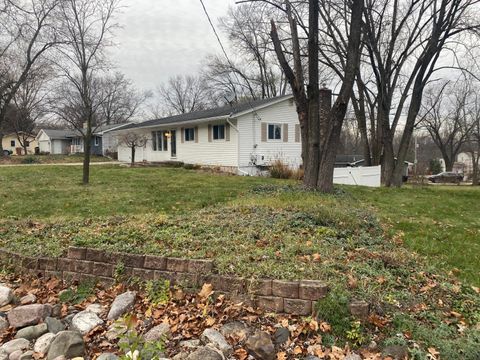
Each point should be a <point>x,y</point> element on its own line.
<point>62,164</point>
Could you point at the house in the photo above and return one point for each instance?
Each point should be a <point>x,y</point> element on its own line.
<point>243,138</point>
<point>11,143</point>
<point>55,142</point>
<point>71,141</point>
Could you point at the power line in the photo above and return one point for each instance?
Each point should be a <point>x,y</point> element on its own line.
<point>227,57</point>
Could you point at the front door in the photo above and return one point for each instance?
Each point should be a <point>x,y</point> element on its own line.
<point>173,143</point>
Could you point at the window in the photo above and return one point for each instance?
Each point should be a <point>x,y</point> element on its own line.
<point>274,132</point>
<point>96,141</point>
<point>160,141</point>
<point>218,132</point>
<point>27,143</point>
<point>12,143</point>
<point>190,134</point>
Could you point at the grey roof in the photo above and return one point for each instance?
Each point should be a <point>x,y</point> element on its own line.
<point>208,114</point>
<point>59,134</point>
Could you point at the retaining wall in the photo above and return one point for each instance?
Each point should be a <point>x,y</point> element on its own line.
<point>78,264</point>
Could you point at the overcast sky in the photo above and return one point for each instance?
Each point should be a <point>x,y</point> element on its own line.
<point>161,38</point>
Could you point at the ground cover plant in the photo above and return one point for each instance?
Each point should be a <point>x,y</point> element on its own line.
<point>357,240</point>
<point>48,159</point>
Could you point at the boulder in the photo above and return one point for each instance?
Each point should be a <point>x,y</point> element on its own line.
<point>43,343</point>
<point>107,356</point>
<point>95,308</point>
<point>15,355</point>
<point>68,344</point>
<point>28,315</point>
<point>15,345</point>
<point>6,295</point>
<point>26,356</point>
<point>115,331</point>
<point>85,321</point>
<point>260,346</point>
<point>157,333</point>
<point>28,299</point>
<point>235,330</point>
<point>281,336</point>
<point>3,354</point>
<point>353,357</point>
<point>396,352</point>
<point>122,304</point>
<point>54,325</point>
<point>32,332</point>
<point>190,344</point>
<point>205,353</point>
<point>211,336</point>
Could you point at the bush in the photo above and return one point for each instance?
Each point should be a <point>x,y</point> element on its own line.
<point>191,166</point>
<point>280,170</point>
<point>30,160</point>
<point>435,166</point>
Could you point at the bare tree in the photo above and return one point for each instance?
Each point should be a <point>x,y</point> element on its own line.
<point>87,26</point>
<point>133,141</point>
<point>122,101</point>
<point>446,117</point>
<point>320,123</point>
<point>473,144</point>
<point>28,30</point>
<point>182,95</point>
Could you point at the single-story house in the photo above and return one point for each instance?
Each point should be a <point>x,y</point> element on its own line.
<point>71,141</point>
<point>11,143</point>
<point>242,138</point>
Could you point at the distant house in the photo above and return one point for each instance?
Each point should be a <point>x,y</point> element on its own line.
<point>243,138</point>
<point>71,141</point>
<point>11,143</point>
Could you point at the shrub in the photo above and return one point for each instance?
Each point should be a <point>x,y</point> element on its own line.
<point>435,166</point>
<point>280,170</point>
<point>191,166</point>
<point>30,160</point>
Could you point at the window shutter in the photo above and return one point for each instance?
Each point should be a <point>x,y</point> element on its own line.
<point>182,130</point>
<point>285,132</point>
<point>196,134</point>
<point>209,133</point>
<point>264,132</point>
<point>297,133</point>
<point>227,132</point>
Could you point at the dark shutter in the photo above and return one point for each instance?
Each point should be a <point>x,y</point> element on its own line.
<point>182,130</point>
<point>196,134</point>
<point>154,140</point>
<point>227,132</point>
<point>264,132</point>
<point>297,133</point>
<point>209,133</point>
<point>285,132</point>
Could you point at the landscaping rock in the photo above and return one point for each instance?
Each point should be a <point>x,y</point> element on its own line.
<point>26,356</point>
<point>85,321</point>
<point>56,311</point>
<point>311,357</point>
<point>190,344</point>
<point>107,356</point>
<point>122,304</point>
<point>211,336</point>
<point>15,345</point>
<point>260,346</point>
<point>205,353</point>
<point>68,344</point>
<point>95,308</point>
<point>396,352</point>
<point>32,332</point>
<point>235,330</point>
<point>353,357</point>
<point>281,336</point>
<point>28,315</point>
<point>43,343</point>
<point>157,333</point>
<point>4,325</point>
<point>28,299</point>
<point>54,325</point>
<point>3,355</point>
<point>15,355</point>
<point>115,330</point>
<point>6,295</point>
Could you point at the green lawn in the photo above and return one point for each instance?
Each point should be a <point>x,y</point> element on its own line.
<point>258,227</point>
<point>48,159</point>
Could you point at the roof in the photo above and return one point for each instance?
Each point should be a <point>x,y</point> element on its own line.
<point>224,111</point>
<point>59,134</point>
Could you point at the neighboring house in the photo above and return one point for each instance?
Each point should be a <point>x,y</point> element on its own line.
<point>71,141</point>
<point>10,142</point>
<point>466,160</point>
<point>243,138</point>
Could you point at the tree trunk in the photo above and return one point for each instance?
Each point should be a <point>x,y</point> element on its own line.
<point>133,156</point>
<point>1,145</point>
<point>475,169</point>
<point>86,158</point>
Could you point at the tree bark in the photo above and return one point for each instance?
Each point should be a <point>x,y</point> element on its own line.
<point>133,156</point>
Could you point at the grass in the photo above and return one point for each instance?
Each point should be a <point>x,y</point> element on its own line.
<point>48,159</point>
<point>358,240</point>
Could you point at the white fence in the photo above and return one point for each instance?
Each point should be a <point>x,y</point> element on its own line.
<point>364,176</point>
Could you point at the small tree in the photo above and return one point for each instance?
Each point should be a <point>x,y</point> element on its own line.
<point>133,141</point>
<point>435,166</point>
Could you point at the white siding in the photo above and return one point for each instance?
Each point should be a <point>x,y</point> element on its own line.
<point>203,152</point>
<point>44,143</point>
<point>250,127</point>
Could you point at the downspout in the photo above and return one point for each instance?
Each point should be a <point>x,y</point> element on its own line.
<point>238,141</point>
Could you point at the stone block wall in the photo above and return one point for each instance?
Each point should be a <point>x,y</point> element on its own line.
<point>79,264</point>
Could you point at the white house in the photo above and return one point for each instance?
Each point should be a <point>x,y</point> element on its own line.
<point>54,141</point>
<point>242,138</point>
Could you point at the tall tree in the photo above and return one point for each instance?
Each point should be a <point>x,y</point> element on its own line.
<point>320,123</point>
<point>87,26</point>
<point>28,30</point>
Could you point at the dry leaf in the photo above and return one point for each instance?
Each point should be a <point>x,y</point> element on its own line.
<point>207,290</point>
